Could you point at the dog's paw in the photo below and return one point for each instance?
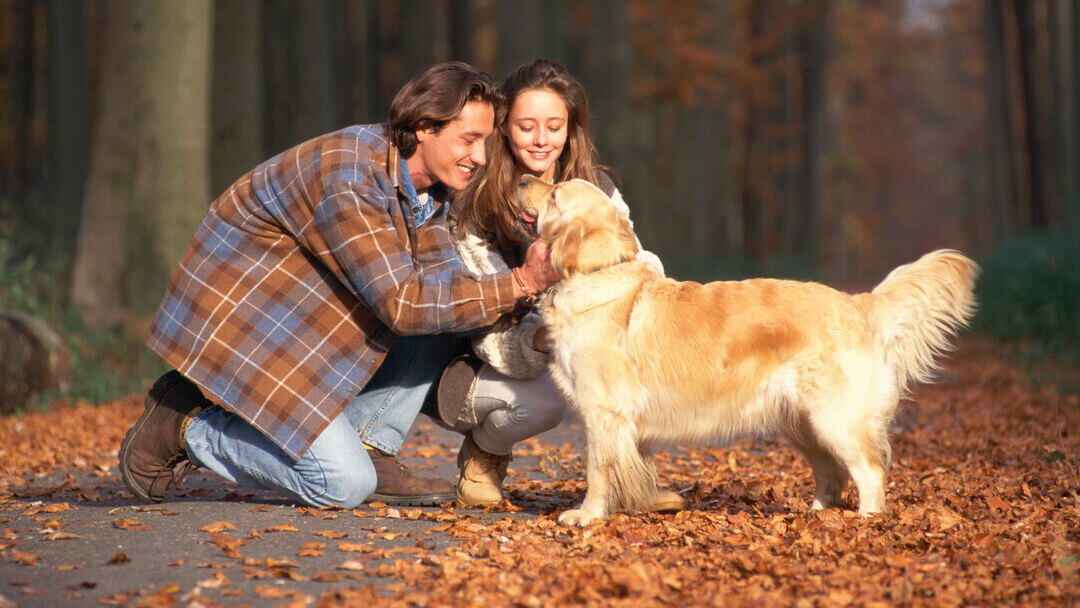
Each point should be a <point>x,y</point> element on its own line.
<point>578,517</point>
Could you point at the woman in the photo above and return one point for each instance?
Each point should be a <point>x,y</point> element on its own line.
<point>501,393</point>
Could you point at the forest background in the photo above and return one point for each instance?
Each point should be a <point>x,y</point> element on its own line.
<point>828,140</point>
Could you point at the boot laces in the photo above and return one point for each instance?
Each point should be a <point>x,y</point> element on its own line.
<point>489,461</point>
<point>181,467</point>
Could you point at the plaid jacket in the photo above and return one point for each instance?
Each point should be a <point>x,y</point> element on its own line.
<point>300,275</point>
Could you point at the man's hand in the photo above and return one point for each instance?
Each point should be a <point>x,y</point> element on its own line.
<point>537,272</point>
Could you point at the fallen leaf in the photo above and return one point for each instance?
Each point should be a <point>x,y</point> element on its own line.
<point>218,581</point>
<point>389,535</point>
<point>282,528</point>
<point>311,550</point>
<point>53,508</point>
<point>351,564</point>
<point>63,536</point>
<point>281,563</point>
<point>217,526</point>
<point>331,534</point>
<point>273,593</point>
<point>130,525</point>
<point>24,558</point>
<point>228,544</point>
<point>119,558</point>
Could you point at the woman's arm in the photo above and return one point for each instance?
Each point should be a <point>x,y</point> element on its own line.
<point>508,347</point>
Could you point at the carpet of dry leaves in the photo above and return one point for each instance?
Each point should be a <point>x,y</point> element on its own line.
<point>984,508</point>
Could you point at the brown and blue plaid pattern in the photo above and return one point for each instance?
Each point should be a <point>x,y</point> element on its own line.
<point>299,276</point>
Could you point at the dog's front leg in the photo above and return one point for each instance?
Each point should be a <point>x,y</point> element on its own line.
<point>595,505</point>
<point>616,473</point>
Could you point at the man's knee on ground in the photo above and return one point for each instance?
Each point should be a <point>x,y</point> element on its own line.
<point>343,486</point>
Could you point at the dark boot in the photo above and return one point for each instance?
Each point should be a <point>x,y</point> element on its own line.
<point>152,458</point>
<point>397,485</point>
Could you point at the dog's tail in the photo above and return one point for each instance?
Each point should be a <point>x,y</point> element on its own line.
<point>915,311</point>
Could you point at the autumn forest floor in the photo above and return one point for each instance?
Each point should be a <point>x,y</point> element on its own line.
<point>983,508</point>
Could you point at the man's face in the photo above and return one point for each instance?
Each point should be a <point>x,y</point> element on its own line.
<point>452,155</point>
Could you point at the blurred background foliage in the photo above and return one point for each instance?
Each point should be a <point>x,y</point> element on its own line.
<point>811,139</point>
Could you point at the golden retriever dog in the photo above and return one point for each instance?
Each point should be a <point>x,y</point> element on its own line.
<point>648,360</point>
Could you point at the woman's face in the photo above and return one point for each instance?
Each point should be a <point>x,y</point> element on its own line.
<point>538,124</point>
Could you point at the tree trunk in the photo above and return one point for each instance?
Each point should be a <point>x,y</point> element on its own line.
<point>68,140</point>
<point>418,52</point>
<point>1034,136</point>
<point>364,105</point>
<point>237,100</point>
<point>520,25</point>
<point>23,77</point>
<point>1002,184</point>
<point>1073,174</point>
<point>318,86</point>
<point>484,44</point>
<point>1065,105</point>
<point>101,247</point>
<point>747,134</point>
<point>621,126</point>
<point>172,177</point>
<point>806,208</point>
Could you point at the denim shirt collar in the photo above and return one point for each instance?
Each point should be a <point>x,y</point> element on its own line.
<point>422,210</point>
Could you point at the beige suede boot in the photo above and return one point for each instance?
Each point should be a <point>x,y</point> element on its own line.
<point>482,474</point>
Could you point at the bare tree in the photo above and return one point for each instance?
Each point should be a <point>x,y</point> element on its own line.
<point>148,183</point>
<point>237,95</point>
<point>172,174</point>
<point>100,250</point>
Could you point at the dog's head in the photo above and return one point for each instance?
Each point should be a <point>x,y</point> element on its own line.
<point>584,230</point>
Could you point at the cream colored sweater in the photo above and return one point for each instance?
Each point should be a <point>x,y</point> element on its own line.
<point>507,346</point>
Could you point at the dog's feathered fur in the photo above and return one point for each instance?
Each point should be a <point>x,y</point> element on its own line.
<point>649,360</point>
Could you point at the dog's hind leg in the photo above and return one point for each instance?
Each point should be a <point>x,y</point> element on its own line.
<point>869,469</point>
<point>862,450</point>
<point>617,474</point>
<point>830,476</point>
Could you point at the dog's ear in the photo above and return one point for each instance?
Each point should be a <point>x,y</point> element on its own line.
<point>565,249</point>
<point>588,243</point>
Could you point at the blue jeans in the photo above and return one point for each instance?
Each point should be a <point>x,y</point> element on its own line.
<point>335,470</point>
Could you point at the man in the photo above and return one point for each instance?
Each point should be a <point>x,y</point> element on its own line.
<point>285,307</point>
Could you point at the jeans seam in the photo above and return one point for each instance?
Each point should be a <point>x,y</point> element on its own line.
<point>386,402</point>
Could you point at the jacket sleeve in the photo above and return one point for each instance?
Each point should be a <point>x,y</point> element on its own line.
<point>353,235</point>
<point>509,350</point>
<point>508,345</point>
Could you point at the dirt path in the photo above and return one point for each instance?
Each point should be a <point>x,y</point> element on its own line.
<point>984,501</point>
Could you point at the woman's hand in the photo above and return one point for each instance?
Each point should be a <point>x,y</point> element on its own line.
<point>542,342</point>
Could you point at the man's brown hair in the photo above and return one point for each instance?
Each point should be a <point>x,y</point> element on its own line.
<point>434,97</point>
